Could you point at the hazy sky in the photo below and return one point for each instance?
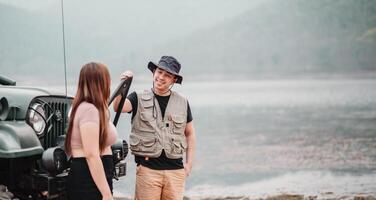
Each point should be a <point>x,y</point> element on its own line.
<point>170,18</point>
<point>241,37</point>
<point>137,25</point>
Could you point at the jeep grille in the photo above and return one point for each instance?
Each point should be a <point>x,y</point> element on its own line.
<point>58,124</point>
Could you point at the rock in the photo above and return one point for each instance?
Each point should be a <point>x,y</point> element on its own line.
<point>228,198</point>
<point>311,197</point>
<point>3,188</point>
<point>327,193</point>
<point>286,197</point>
<point>121,198</point>
<point>6,196</point>
<point>364,198</point>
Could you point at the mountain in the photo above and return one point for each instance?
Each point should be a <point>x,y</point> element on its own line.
<point>285,36</point>
<point>274,36</point>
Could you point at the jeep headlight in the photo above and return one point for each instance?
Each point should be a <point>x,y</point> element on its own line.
<point>37,118</point>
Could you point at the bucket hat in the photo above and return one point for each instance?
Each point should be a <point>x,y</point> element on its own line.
<point>169,64</point>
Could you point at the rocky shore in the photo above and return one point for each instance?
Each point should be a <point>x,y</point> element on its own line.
<point>278,197</point>
<point>6,195</point>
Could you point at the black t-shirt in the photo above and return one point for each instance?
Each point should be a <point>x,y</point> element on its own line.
<point>162,162</point>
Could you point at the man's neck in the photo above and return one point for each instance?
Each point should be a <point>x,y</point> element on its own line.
<point>162,93</point>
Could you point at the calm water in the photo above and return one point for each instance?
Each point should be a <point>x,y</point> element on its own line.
<point>261,137</point>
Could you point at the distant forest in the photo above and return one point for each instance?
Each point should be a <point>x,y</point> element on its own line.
<point>277,36</point>
<point>289,36</point>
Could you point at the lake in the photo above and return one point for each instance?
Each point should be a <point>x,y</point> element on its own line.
<point>263,137</point>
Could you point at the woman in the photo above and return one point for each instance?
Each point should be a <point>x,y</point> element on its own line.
<point>90,136</point>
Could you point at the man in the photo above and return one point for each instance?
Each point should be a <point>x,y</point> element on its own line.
<point>161,132</point>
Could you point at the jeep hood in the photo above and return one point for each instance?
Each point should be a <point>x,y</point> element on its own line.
<point>19,98</point>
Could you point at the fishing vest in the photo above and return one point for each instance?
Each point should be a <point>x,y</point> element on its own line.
<point>150,133</point>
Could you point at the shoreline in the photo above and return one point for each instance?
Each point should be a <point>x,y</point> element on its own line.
<point>303,185</point>
<point>278,197</point>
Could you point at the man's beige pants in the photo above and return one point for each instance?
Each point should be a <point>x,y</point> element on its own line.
<point>159,184</point>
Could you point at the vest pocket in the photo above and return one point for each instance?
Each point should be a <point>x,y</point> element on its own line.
<point>141,144</point>
<point>179,124</point>
<point>178,147</point>
<point>147,103</point>
<point>147,122</point>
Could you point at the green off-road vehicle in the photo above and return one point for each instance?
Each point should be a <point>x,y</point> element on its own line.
<point>33,124</point>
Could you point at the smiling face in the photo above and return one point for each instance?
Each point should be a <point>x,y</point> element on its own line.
<point>162,80</point>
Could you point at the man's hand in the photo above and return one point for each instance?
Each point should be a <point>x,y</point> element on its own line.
<point>187,168</point>
<point>126,74</point>
<point>120,92</point>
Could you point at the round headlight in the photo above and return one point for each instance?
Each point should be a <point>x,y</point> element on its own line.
<point>37,118</point>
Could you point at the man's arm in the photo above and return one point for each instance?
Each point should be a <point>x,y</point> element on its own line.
<point>127,104</point>
<point>191,141</point>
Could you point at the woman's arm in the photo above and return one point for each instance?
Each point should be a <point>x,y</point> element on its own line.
<point>90,144</point>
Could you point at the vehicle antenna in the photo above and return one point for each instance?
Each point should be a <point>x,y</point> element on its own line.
<point>65,59</point>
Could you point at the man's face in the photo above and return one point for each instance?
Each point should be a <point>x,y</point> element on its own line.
<point>163,79</point>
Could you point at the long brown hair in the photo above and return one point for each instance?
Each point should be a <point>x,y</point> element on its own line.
<point>93,87</point>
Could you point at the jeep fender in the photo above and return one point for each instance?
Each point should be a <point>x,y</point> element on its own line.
<point>18,139</point>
